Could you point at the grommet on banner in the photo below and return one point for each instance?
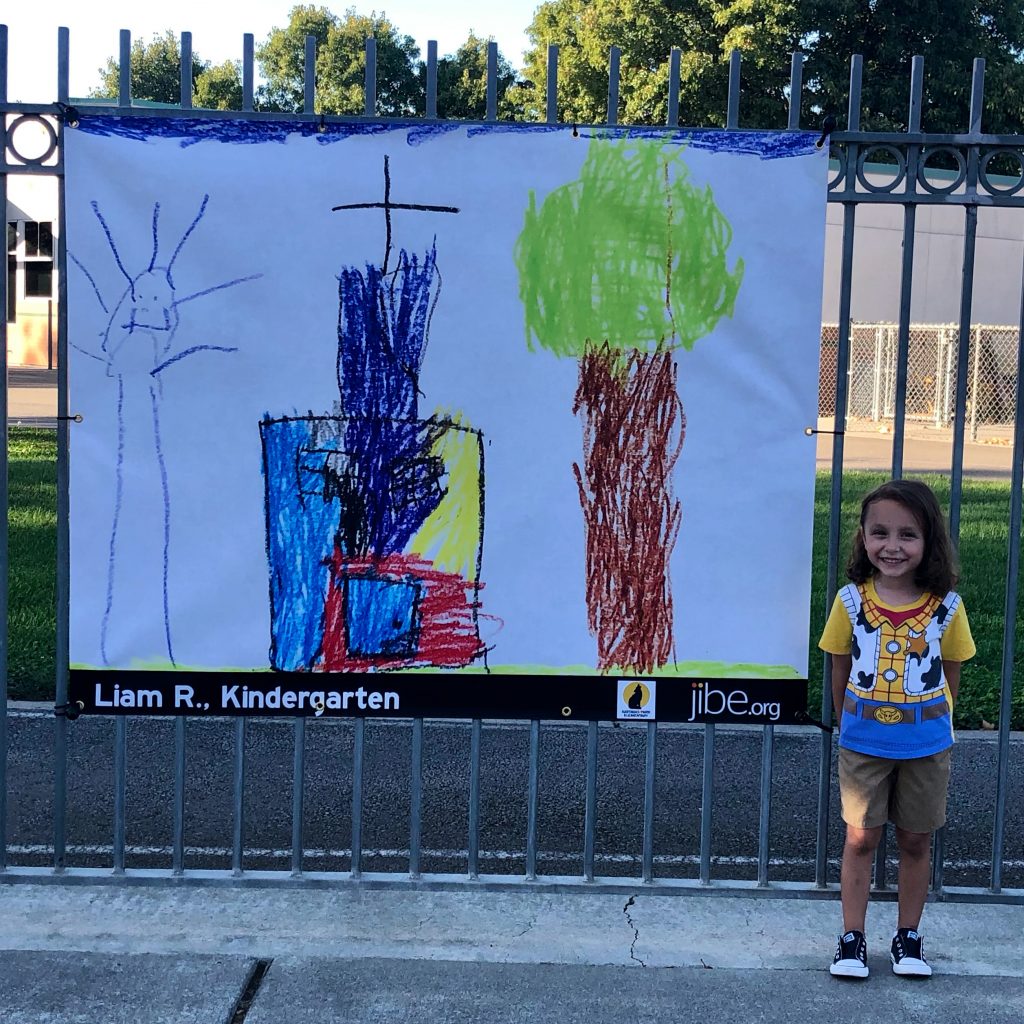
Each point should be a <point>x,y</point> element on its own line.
<point>322,126</point>
<point>828,126</point>
<point>69,711</point>
<point>566,711</point>
<point>68,115</point>
<point>77,418</point>
<point>811,431</point>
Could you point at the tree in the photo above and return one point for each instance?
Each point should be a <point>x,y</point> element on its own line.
<point>887,32</point>
<point>619,269</point>
<point>155,71</point>
<point>462,82</point>
<point>220,87</point>
<point>646,31</point>
<point>340,64</point>
<point>948,35</point>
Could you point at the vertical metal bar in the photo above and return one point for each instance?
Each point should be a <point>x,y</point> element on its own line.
<point>796,86</point>
<point>298,791</point>
<point>357,798</point>
<point>474,799</point>
<point>552,84</point>
<point>492,81</point>
<point>649,766</point>
<point>370,101</point>
<point>1009,621</point>
<point>4,545</point>
<point>673,88</point>
<point>120,776</point>
<point>706,795</point>
<point>60,752</point>
<point>835,523</point>
<point>247,71</point>
<point>765,821</point>
<point>124,89</point>
<point>966,300</point>
<point>732,117</point>
<point>907,272</point>
<point>531,802</point>
<point>976,350</point>
<point>309,76</point>
<point>590,815</point>
<point>432,78</point>
<point>880,881</point>
<point>178,852</point>
<point>186,70</point>
<point>613,85</point>
<point>238,794</point>
<point>416,799</point>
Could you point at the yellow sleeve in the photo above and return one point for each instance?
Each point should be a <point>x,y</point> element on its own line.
<point>838,633</point>
<point>957,642</point>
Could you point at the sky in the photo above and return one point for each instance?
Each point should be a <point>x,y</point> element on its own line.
<point>217,30</point>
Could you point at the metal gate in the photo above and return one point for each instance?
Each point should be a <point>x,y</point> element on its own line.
<point>670,865</point>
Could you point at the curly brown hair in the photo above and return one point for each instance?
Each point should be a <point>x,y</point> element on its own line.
<point>938,571</point>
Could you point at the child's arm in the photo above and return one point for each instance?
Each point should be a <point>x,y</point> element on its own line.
<point>951,669</point>
<point>841,665</point>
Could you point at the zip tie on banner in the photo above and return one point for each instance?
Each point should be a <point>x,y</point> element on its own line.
<point>811,431</point>
<point>77,418</point>
<point>828,126</point>
<point>805,718</point>
<point>68,115</point>
<point>70,711</point>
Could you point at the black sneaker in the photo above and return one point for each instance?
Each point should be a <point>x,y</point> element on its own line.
<point>907,954</point>
<point>851,959</point>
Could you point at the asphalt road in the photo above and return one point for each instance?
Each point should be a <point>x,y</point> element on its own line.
<point>267,807</point>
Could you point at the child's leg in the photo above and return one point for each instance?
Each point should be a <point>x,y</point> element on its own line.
<point>915,873</point>
<point>855,879</point>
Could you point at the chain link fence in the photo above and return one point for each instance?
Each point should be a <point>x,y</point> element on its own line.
<point>931,376</point>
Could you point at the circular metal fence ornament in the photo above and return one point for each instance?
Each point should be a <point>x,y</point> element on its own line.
<point>51,146</point>
<point>901,168</point>
<point>946,188</point>
<point>987,183</point>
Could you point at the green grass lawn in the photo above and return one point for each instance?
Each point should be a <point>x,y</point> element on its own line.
<point>986,510</point>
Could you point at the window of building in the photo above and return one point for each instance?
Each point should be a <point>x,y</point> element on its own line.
<point>39,259</point>
<point>12,271</point>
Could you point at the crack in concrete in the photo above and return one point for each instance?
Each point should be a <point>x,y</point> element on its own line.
<point>636,931</point>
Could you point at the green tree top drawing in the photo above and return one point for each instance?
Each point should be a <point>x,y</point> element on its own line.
<point>632,253</point>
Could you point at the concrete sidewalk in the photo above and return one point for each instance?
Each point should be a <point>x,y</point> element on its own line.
<point>156,955</point>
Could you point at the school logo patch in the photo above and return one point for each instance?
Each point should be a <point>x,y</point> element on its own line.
<point>636,699</point>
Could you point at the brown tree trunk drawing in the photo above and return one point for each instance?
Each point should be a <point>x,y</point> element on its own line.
<point>633,431</point>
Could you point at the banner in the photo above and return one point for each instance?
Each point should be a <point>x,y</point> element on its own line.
<point>479,399</point>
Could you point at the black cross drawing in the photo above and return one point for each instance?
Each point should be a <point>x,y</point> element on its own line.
<point>387,206</point>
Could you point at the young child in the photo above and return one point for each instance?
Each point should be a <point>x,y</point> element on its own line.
<point>897,635</point>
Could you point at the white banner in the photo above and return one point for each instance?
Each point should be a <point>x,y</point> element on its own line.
<point>497,398</point>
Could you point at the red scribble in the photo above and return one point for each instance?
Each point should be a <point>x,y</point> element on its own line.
<point>448,635</point>
<point>633,430</point>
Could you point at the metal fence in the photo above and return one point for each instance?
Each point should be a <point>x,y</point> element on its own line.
<point>895,387</point>
<point>933,358</point>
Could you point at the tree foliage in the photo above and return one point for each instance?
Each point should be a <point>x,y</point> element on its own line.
<point>155,71</point>
<point>948,35</point>
<point>462,82</point>
<point>886,32</point>
<point>340,63</point>
<point>646,31</point>
<point>220,87</point>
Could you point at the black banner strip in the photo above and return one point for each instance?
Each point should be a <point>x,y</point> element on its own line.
<point>438,695</point>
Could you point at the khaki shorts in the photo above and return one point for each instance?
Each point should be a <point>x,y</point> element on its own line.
<point>910,793</point>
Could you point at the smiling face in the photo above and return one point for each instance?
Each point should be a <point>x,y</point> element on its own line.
<point>894,542</point>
